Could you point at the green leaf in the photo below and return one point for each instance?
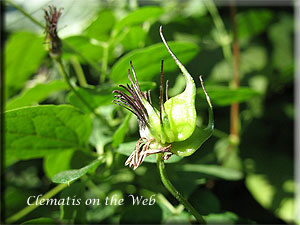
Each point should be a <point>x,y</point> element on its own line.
<point>128,147</point>
<point>222,218</point>
<point>185,182</point>
<point>147,85</point>
<point>120,133</point>
<point>95,97</point>
<point>33,132</point>
<point>252,22</point>
<point>221,71</point>
<point>261,189</point>
<point>100,28</point>
<point>230,160</point>
<point>15,197</point>
<point>178,87</point>
<point>55,163</point>
<point>24,53</point>
<point>68,176</point>
<point>147,67</point>
<point>81,159</point>
<point>85,46</point>
<point>213,171</point>
<point>101,135</point>
<point>139,16</point>
<point>271,182</point>
<point>41,220</point>
<point>281,34</point>
<point>134,38</point>
<point>265,192</point>
<point>253,58</point>
<point>193,9</point>
<point>182,218</point>
<point>36,94</point>
<point>223,96</point>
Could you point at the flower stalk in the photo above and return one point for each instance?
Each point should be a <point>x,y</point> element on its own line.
<point>234,111</point>
<point>169,186</point>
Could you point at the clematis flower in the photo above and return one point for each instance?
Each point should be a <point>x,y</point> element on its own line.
<point>171,129</point>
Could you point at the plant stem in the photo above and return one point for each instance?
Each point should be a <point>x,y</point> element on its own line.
<point>169,186</point>
<point>234,113</point>
<point>30,208</point>
<point>79,72</point>
<point>218,22</point>
<point>67,79</point>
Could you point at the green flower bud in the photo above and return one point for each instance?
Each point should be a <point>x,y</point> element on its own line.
<point>52,40</point>
<point>170,130</point>
<point>199,136</point>
<point>180,109</point>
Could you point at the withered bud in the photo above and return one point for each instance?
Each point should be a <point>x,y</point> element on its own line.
<point>53,42</point>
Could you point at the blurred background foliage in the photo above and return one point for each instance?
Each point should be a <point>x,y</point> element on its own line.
<point>249,180</point>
